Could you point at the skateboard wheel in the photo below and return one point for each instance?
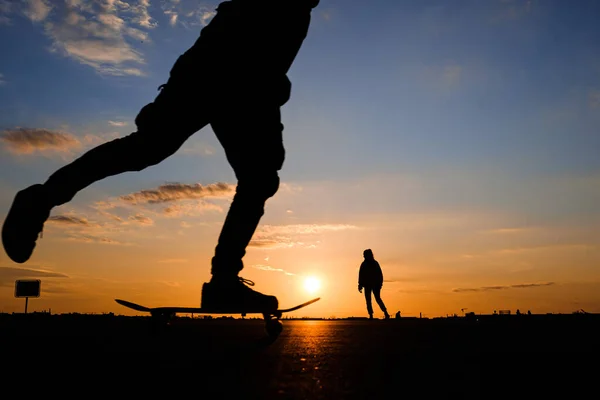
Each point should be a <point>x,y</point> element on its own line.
<point>273,328</point>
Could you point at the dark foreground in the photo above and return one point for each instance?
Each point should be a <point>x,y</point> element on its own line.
<point>94,356</point>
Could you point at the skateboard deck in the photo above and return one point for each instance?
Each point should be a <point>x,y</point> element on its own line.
<point>197,310</point>
<point>163,315</point>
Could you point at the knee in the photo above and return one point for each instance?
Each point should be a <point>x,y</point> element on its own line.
<point>259,187</point>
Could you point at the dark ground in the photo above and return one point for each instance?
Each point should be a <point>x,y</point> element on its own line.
<point>88,356</point>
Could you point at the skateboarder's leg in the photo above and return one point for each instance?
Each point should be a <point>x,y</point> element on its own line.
<point>163,126</point>
<point>251,136</point>
<point>162,129</point>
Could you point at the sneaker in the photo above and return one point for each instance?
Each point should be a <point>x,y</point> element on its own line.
<point>232,295</point>
<point>25,222</point>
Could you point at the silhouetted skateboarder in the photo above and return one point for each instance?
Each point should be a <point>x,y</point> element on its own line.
<point>370,277</point>
<point>233,78</point>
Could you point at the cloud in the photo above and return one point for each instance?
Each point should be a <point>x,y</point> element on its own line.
<point>171,284</point>
<point>178,191</point>
<point>188,13</point>
<point>28,141</point>
<point>271,269</point>
<point>490,288</point>
<point>141,219</point>
<point>99,33</point>
<point>117,123</point>
<point>274,243</point>
<point>552,247</point>
<point>199,207</point>
<point>70,220</point>
<point>88,238</point>
<point>37,10</point>
<point>170,200</point>
<point>198,149</point>
<point>303,229</point>
<point>11,273</point>
<point>285,236</point>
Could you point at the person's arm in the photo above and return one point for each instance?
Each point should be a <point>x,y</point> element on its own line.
<point>361,273</point>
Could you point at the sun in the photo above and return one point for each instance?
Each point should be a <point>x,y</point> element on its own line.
<point>312,284</point>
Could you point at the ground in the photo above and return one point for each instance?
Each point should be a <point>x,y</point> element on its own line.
<point>521,356</point>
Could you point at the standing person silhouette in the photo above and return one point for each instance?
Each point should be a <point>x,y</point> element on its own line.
<point>370,277</point>
<point>234,78</point>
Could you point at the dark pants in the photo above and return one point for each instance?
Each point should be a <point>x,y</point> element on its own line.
<point>233,78</point>
<point>377,293</point>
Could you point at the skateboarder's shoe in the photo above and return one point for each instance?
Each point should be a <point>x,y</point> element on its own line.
<point>231,294</point>
<point>24,222</point>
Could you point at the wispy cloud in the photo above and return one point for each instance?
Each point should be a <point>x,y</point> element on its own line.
<point>490,288</point>
<point>545,248</point>
<point>89,238</point>
<point>117,123</point>
<point>170,200</point>
<point>37,10</point>
<point>271,269</point>
<point>31,141</point>
<point>190,209</point>
<point>141,219</point>
<point>11,273</point>
<point>99,33</point>
<point>179,191</point>
<point>71,220</point>
<point>28,141</point>
<point>188,13</point>
<point>299,235</point>
<point>303,229</point>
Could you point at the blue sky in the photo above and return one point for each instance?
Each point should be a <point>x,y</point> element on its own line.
<point>482,113</point>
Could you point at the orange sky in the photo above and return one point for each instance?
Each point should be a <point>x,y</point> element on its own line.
<point>436,263</point>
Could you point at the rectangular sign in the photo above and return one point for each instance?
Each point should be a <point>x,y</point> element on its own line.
<point>27,288</point>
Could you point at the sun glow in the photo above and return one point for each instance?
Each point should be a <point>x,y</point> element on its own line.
<point>312,284</point>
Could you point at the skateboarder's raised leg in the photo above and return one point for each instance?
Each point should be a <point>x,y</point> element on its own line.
<point>163,126</point>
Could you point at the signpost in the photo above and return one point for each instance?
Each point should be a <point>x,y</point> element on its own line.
<point>27,288</point>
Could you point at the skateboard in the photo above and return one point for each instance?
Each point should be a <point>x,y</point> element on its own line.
<point>163,315</point>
